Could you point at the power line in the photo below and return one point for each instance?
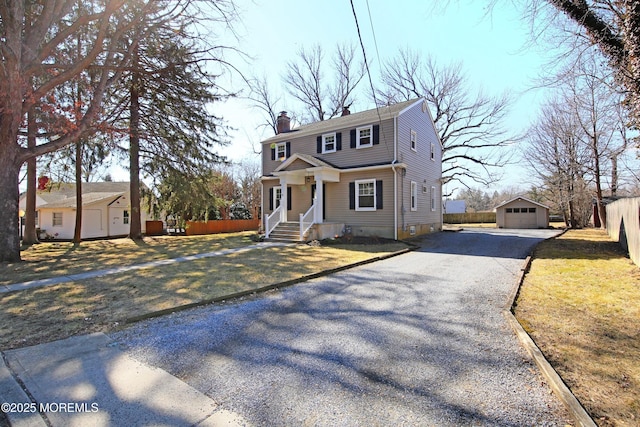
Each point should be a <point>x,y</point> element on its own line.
<point>366,65</point>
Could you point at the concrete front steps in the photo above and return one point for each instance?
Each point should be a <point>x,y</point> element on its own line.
<point>286,232</point>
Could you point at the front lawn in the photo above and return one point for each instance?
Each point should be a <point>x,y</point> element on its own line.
<point>101,304</point>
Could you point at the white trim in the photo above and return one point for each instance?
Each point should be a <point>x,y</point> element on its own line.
<point>358,130</point>
<point>433,152</point>
<point>413,196</point>
<point>419,100</point>
<point>324,143</point>
<point>357,194</point>
<point>413,140</point>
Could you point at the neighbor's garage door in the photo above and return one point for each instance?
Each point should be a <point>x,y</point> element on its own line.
<point>520,218</point>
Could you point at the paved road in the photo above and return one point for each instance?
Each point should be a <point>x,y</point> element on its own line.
<point>418,339</point>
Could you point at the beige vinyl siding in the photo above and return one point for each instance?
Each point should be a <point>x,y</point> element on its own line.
<point>378,222</point>
<point>346,157</point>
<point>420,169</point>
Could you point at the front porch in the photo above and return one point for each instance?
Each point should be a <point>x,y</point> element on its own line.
<point>291,208</point>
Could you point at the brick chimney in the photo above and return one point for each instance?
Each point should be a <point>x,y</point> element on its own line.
<point>345,111</point>
<point>42,182</point>
<point>283,123</point>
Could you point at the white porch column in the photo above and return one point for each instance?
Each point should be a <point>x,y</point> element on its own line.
<point>283,199</point>
<point>317,214</point>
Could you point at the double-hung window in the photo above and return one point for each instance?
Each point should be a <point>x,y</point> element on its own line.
<point>281,151</point>
<point>366,195</point>
<point>364,137</point>
<point>329,143</point>
<point>433,198</point>
<point>414,140</point>
<point>414,196</point>
<point>57,219</point>
<point>433,152</point>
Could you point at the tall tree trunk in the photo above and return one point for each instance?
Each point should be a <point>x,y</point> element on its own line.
<point>30,236</point>
<point>77,232</point>
<point>135,226</point>
<point>9,195</point>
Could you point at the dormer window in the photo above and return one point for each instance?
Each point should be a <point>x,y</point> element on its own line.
<point>364,137</point>
<point>329,143</point>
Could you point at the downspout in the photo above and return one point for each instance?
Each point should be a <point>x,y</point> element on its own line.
<point>395,178</point>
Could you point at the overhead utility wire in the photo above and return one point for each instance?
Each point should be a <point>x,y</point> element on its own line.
<point>366,65</point>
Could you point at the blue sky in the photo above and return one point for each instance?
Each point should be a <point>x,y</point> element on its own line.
<point>492,48</point>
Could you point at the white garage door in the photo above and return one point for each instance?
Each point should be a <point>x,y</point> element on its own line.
<point>520,218</point>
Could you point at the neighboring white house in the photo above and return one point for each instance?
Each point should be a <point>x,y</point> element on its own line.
<point>455,206</point>
<point>106,210</point>
<point>371,173</point>
<point>521,212</point>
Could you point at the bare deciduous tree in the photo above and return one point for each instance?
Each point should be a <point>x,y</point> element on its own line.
<point>324,97</point>
<point>556,155</point>
<point>470,125</point>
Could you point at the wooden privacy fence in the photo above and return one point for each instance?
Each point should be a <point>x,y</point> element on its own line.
<point>469,218</point>
<point>623,225</point>
<point>221,226</point>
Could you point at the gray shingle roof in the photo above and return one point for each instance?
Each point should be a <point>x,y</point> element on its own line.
<point>354,119</point>
<point>63,195</point>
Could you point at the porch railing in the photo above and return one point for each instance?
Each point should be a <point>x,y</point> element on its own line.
<point>271,221</point>
<point>307,220</point>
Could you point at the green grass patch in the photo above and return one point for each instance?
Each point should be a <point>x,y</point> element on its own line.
<point>580,302</point>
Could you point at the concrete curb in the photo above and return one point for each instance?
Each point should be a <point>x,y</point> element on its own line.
<point>554,380</point>
<point>279,285</point>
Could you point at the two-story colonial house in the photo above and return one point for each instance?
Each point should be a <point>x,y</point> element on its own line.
<point>372,173</point>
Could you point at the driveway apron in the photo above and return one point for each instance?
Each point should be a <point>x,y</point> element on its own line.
<point>418,339</point>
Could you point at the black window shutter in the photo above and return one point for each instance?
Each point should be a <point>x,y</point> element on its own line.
<point>376,134</point>
<point>271,199</point>
<point>352,195</point>
<point>288,198</point>
<point>319,145</point>
<point>273,153</point>
<point>287,149</point>
<point>313,192</point>
<point>353,138</point>
<point>338,141</point>
<point>379,194</point>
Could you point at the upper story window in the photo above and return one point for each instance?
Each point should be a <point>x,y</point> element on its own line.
<point>281,151</point>
<point>414,140</point>
<point>433,152</point>
<point>329,143</point>
<point>364,137</point>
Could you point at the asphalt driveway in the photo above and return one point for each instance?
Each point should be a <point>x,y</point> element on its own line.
<point>418,339</point>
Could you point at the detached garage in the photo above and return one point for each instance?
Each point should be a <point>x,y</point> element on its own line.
<point>522,213</point>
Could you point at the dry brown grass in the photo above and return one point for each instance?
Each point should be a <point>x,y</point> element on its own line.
<point>580,302</point>
<point>101,304</point>
<point>52,259</point>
